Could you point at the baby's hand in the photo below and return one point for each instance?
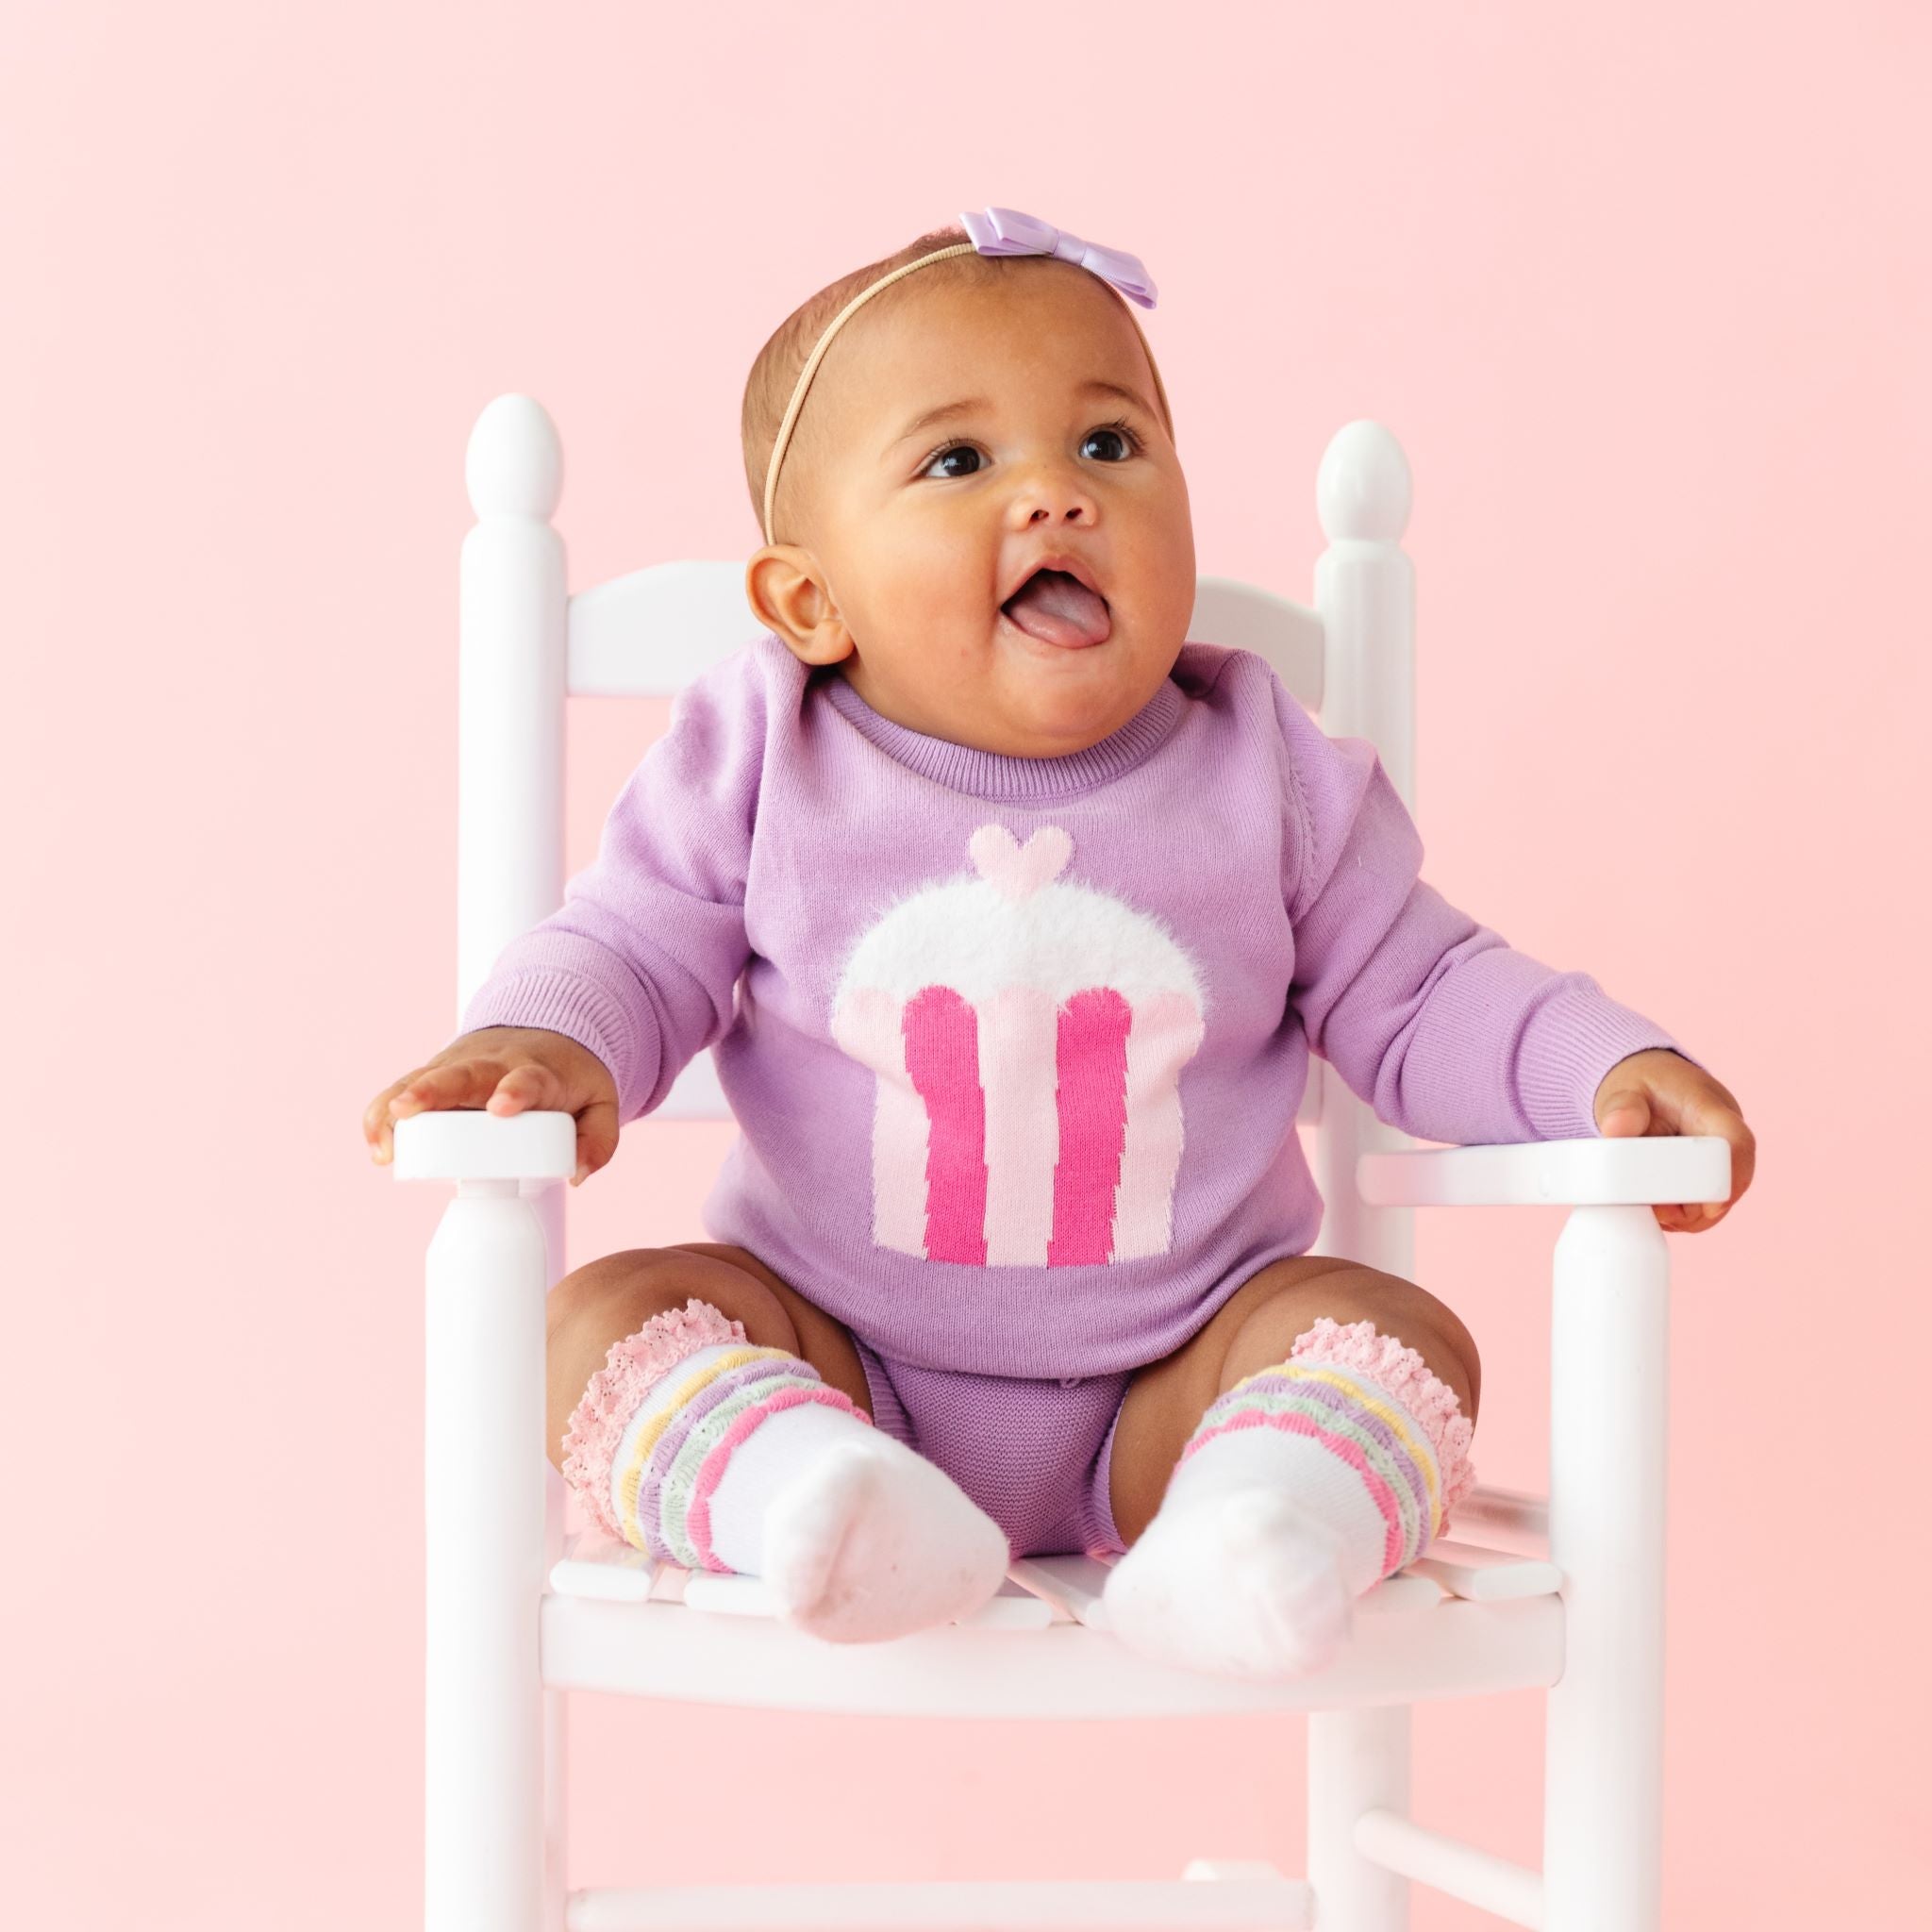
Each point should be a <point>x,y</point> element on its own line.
<point>1658,1092</point>
<point>505,1070</point>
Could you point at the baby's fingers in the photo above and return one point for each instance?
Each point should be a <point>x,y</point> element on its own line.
<point>1689,1217</point>
<point>462,1083</point>
<point>380,1115</point>
<point>529,1085</point>
<point>375,1122</point>
<point>596,1139</point>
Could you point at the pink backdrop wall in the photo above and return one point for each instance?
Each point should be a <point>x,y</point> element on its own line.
<point>1644,290</point>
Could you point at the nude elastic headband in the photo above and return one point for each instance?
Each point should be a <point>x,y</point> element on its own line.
<point>992,231</point>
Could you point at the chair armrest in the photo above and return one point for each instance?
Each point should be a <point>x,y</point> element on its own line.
<point>468,1145</point>
<point>1592,1173</point>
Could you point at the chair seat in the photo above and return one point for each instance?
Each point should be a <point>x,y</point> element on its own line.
<point>1461,1621</point>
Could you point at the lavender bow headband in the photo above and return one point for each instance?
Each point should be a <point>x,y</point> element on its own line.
<point>992,231</point>
<point>1007,231</point>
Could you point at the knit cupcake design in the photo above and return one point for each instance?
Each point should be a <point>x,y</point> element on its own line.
<point>1027,1035</point>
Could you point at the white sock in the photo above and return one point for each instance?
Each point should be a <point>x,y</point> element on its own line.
<point>859,1537</point>
<point>1267,1530</point>
<point>863,1539</point>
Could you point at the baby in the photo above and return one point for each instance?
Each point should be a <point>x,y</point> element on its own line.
<point>1013,916</point>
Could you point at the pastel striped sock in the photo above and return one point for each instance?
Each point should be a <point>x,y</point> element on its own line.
<point>1304,1484</point>
<point>715,1454</point>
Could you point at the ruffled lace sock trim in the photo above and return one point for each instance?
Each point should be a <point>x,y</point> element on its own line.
<point>631,1368</point>
<point>1402,1372</point>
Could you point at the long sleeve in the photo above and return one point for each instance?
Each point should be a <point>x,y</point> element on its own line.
<point>640,961</point>
<point>1446,1030</point>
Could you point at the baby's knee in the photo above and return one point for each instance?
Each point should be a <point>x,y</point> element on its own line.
<point>1453,1332</point>
<point>610,1298</point>
<point>1349,1292</point>
<point>1408,1310</point>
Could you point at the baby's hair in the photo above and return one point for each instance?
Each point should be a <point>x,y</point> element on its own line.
<point>775,371</point>
<point>774,374</point>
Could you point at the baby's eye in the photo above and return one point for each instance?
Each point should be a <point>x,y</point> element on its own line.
<point>951,449</point>
<point>1120,433</point>
<point>1117,434</point>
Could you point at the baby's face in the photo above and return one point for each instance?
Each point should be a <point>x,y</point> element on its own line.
<point>971,432</point>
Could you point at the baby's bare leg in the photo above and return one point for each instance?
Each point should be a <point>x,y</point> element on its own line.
<point>714,1456</point>
<point>1310,1482</point>
<point>606,1300</point>
<point>1254,1327</point>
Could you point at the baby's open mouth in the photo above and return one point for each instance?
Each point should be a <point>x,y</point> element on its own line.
<point>1059,609</point>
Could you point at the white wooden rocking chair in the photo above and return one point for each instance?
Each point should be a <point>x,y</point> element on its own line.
<point>516,1620</point>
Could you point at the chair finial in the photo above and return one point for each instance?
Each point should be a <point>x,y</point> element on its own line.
<point>1362,491</point>
<point>514,464</point>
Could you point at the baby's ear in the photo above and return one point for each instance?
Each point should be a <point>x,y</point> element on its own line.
<point>788,595</point>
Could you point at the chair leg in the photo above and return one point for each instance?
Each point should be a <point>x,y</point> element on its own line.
<point>548,1205</point>
<point>483,1817</point>
<point>1603,1798</point>
<point>1357,1760</point>
<point>556,1838</point>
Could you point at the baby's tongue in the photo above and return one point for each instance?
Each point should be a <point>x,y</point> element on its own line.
<point>1059,609</point>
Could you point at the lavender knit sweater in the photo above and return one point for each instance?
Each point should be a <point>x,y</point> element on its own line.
<point>1015,1046</point>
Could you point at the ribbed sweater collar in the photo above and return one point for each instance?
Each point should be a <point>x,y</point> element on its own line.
<point>998,775</point>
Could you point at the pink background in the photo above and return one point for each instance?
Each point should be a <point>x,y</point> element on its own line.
<point>1644,290</point>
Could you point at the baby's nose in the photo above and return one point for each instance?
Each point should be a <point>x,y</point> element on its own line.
<point>1053,499</point>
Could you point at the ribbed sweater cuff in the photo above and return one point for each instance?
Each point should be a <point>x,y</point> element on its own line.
<point>566,1002</point>
<point>1569,1043</point>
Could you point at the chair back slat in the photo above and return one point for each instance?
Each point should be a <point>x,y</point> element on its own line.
<point>1286,634</point>
<point>653,632</point>
<point>650,632</point>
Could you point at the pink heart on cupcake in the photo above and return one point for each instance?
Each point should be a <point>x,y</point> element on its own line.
<point>1014,871</point>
